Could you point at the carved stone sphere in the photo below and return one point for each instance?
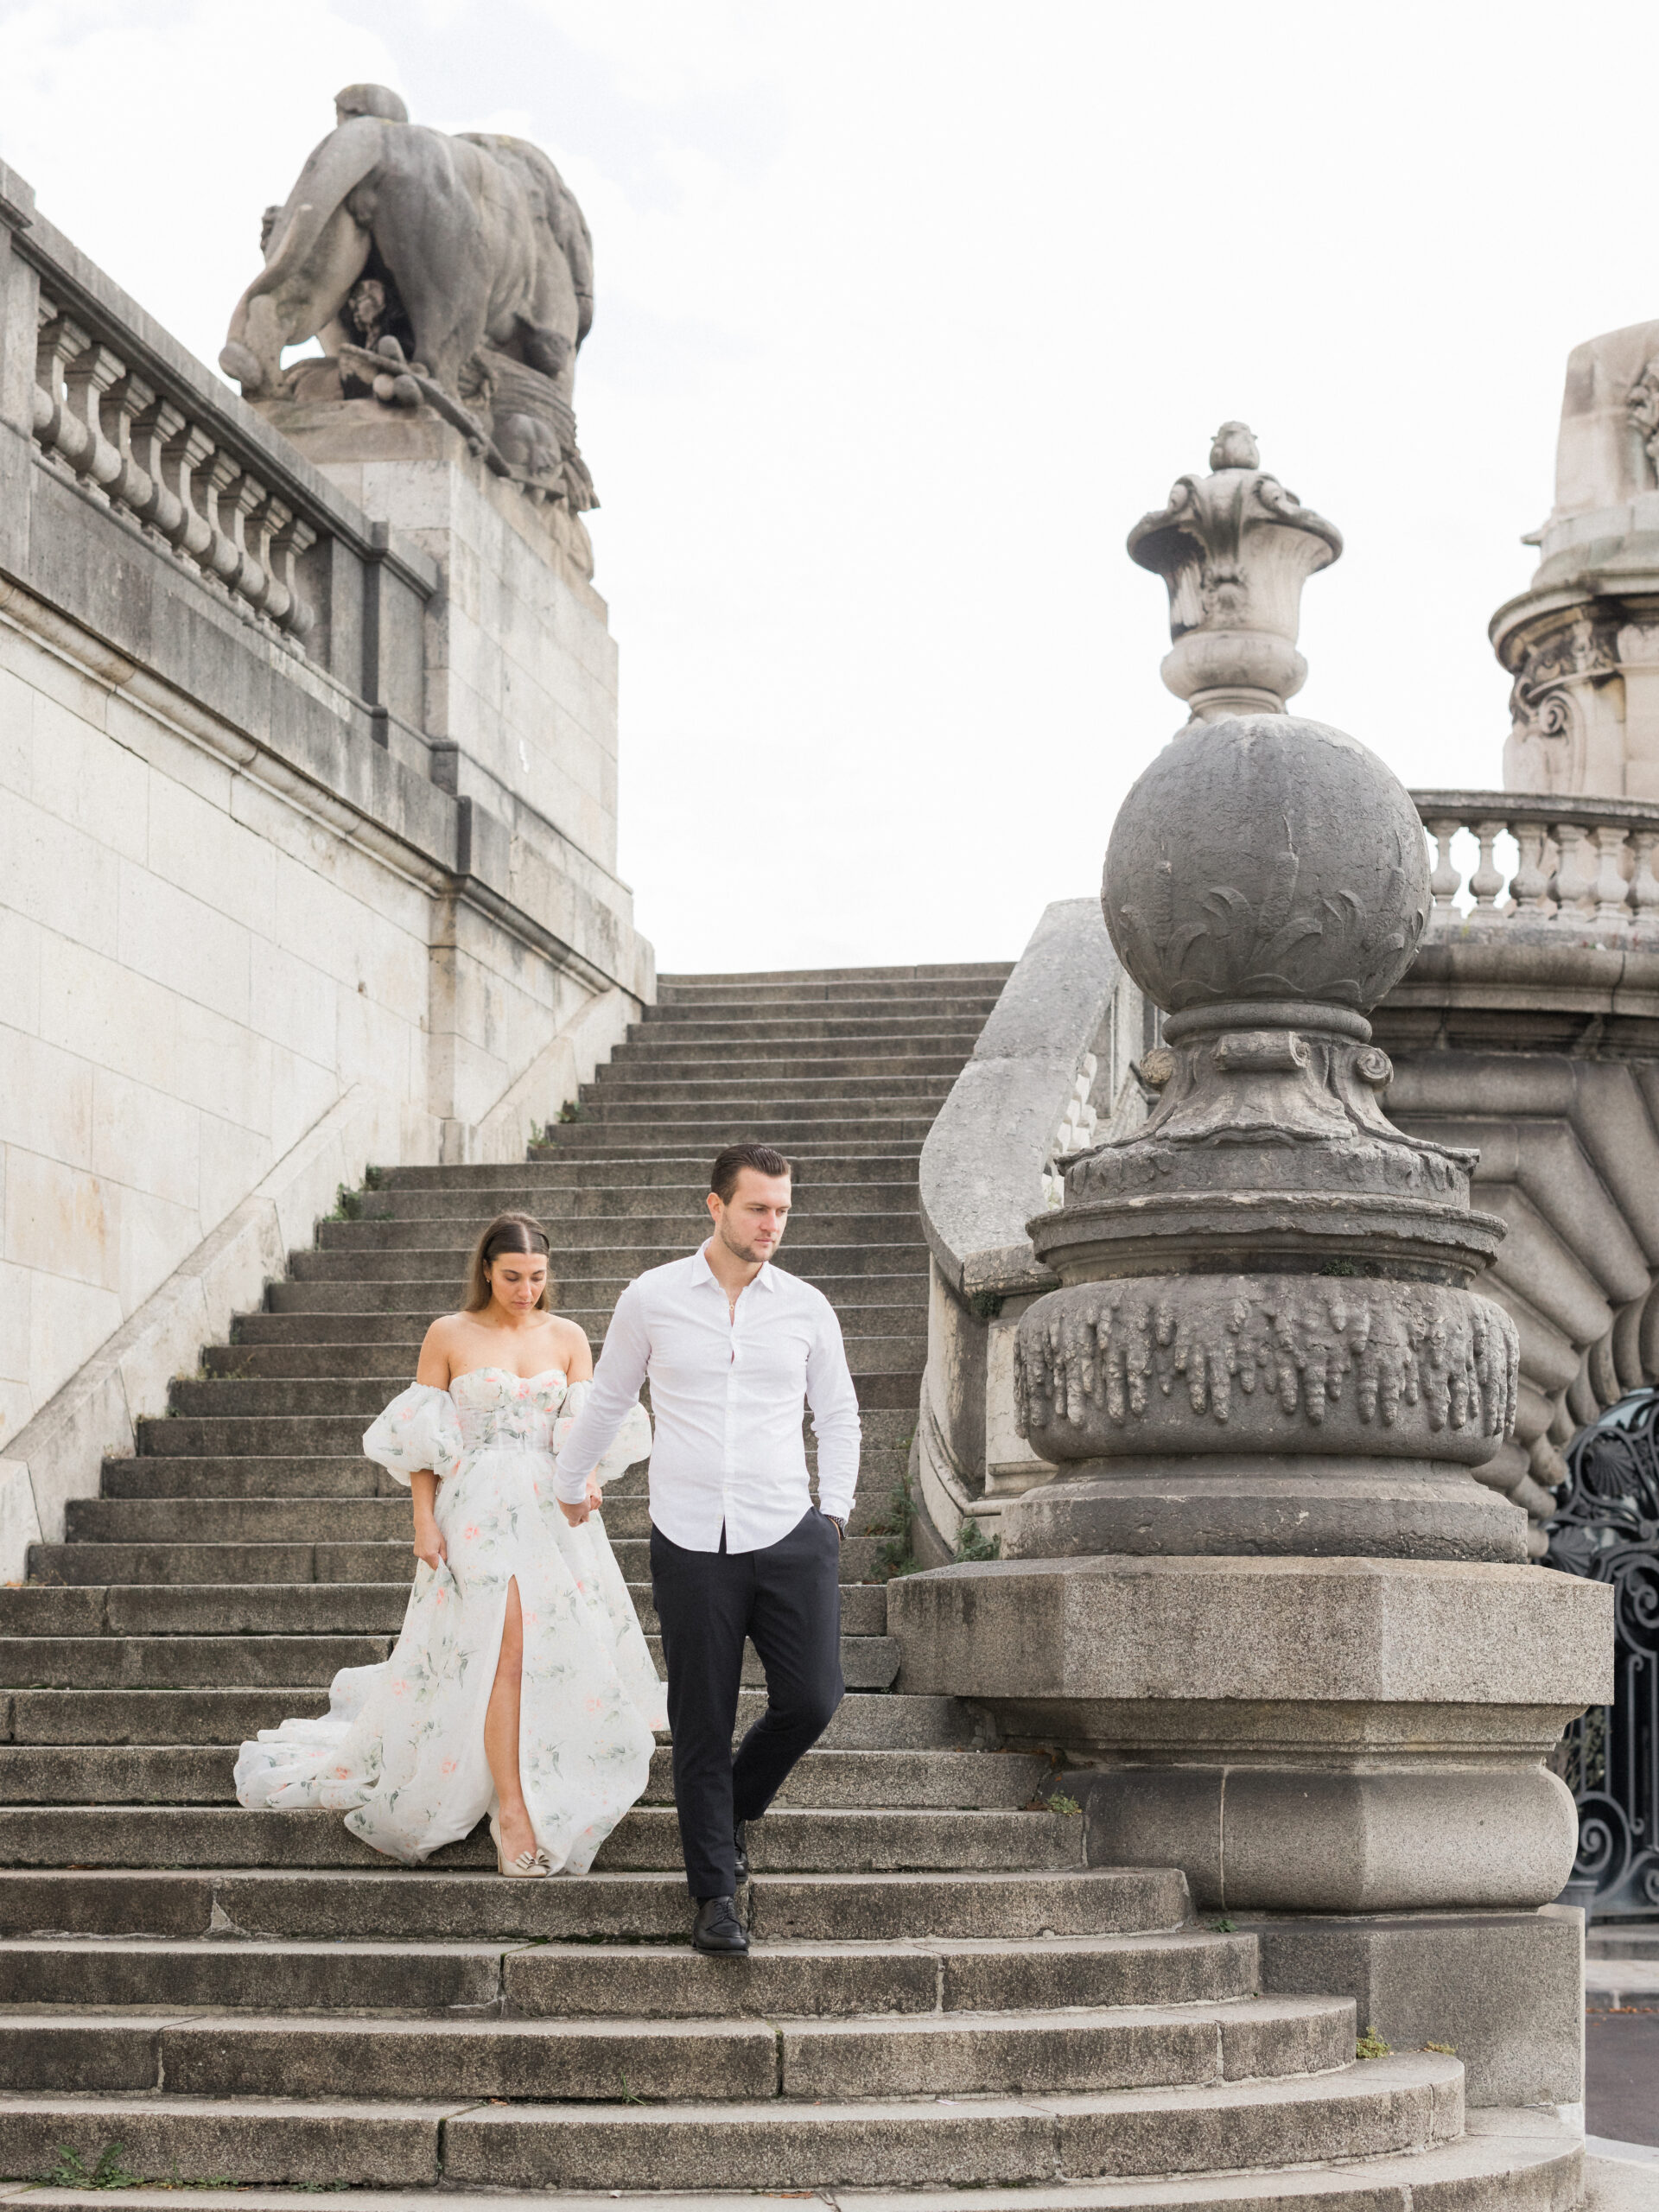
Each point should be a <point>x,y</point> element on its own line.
<point>1266,857</point>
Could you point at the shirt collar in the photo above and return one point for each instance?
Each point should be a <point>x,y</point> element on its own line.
<point>701,1272</point>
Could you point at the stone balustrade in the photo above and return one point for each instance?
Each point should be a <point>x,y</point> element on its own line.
<point>1530,857</point>
<point>144,451</point>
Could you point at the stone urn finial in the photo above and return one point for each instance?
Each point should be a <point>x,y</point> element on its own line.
<point>1268,1337</point>
<point>1234,548</point>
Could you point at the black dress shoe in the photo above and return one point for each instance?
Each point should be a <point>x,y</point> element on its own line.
<point>740,1846</point>
<point>717,1928</point>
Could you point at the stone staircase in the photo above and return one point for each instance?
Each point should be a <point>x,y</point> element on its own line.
<point>942,1997</point>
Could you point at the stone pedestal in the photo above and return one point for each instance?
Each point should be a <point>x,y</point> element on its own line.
<point>510,704</point>
<point>1267,1619</point>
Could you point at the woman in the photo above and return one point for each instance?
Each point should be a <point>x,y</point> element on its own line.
<point>521,1683</point>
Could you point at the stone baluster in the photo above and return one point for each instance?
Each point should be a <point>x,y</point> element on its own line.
<point>1644,886</point>
<point>250,583</point>
<point>48,374</point>
<point>1530,885</point>
<point>154,429</point>
<point>289,546</point>
<point>1608,887</point>
<point>185,457</point>
<point>90,374</point>
<point>56,427</point>
<point>125,401</point>
<point>1488,879</point>
<point>1447,879</point>
<point>1574,882</point>
<point>224,556</point>
<point>267,524</point>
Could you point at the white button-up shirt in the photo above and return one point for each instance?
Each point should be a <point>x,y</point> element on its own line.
<point>726,1393</point>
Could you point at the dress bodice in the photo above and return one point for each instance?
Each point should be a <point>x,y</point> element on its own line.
<point>492,1409</point>
<point>500,1411</point>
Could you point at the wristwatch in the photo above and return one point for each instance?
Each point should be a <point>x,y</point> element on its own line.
<point>840,1525</point>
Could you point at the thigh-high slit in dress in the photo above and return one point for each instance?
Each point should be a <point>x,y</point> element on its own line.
<point>401,1750</point>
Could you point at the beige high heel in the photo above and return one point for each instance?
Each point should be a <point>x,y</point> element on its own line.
<point>528,1866</point>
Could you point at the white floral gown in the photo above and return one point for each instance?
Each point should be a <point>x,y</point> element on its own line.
<point>401,1751</point>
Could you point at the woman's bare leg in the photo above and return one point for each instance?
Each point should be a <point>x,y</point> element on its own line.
<point>501,1733</point>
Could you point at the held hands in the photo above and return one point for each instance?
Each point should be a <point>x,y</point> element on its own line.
<point>429,1547</point>
<point>575,1515</point>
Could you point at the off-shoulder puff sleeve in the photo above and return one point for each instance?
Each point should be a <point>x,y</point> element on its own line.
<point>632,1441</point>
<point>419,1428</point>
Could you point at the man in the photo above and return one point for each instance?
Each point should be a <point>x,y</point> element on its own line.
<point>731,1347</point>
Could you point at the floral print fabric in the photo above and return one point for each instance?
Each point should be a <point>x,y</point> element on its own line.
<point>401,1750</point>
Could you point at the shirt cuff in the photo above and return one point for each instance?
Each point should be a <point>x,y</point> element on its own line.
<point>569,1489</point>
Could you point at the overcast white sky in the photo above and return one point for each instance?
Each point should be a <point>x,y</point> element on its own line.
<point>907,311</point>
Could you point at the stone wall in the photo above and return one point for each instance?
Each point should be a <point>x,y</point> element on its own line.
<point>306,823</point>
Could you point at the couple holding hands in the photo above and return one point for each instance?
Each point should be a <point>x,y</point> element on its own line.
<point>521,1682</point>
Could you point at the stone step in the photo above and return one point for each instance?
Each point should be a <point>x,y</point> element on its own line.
<point>856,1071</point>
<point>436,1905</point>
<point>339,1475</point>
<point>91,1662</point>
<point>645,1840</point>
<point>775,1121</point>
<point>181,1563</point>
<point>573,1980</point>
<point>969,996</point>
<point>763,1090</point>
<point>933,971</point>
<point>567,1206</point>
<point>259,1475</point>
<point>243,1394</point>
<point>339,1325</point>
<point>733,2057</point>
<point>202,1518</point>
<point>792,1048</point>
<point>210,1609</point>
<point>884,1720</point>
<point>287,1609</point>
<point>810,1022</point>
<point>1383,2106</point>
<point>707,1132</point>
<point>286,1434</point>
<point>88,1662</point>
<point>424,1295</point>
<point>877,1338</point>
<point>607,1261</point>
<point>668,1165</point>
<point>966,998</point>
<point>1508,2161</point>
<point>678,1233</point>
<point>867,1310</point>
<point>614,1152</point>
<point>170,1774</point>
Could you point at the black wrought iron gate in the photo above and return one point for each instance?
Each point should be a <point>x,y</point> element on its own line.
<point>1607,1527</point>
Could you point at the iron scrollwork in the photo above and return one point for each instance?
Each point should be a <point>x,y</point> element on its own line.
<point>1607,1527</point>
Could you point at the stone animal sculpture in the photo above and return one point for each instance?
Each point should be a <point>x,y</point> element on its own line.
<point>478,248</point>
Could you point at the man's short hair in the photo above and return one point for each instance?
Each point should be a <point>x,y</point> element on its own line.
<point>765,1159</point>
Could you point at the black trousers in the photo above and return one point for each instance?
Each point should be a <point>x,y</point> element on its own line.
<point>786,1599</point>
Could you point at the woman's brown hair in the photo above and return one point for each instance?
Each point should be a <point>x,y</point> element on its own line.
<point>508,1232</point>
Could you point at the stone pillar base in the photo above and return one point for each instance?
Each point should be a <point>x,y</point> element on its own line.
<point>1343,1735</point>
<point>1304,1505</point>
<point>1505,1990</point>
